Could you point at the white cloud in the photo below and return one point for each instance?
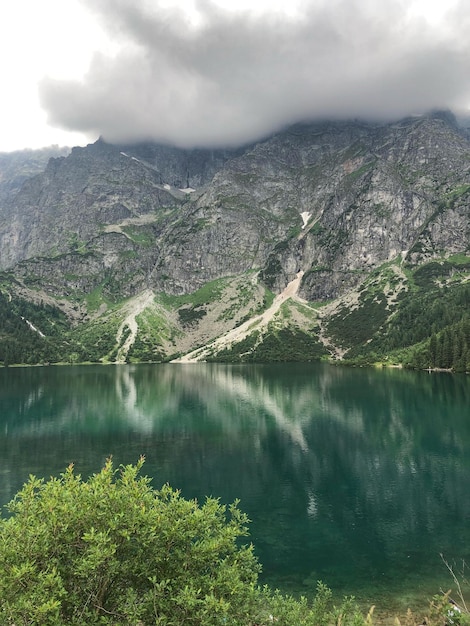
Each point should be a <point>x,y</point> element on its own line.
<point>37,38</point>
<point>214,72</point>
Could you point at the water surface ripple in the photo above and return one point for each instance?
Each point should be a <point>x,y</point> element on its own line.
<point>356,477</point>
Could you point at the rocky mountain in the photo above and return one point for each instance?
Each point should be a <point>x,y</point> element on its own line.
<point>314,242</point>
<point>16,167</point>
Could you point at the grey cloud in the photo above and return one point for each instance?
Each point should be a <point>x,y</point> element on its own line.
<point>236,77</point>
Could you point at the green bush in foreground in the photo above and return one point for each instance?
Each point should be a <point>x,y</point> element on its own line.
<point>113,550</point>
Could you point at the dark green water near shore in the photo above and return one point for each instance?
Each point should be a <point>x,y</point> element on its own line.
<point>356,477</point>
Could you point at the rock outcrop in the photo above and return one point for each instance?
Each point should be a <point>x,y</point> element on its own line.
<point>334,201</point>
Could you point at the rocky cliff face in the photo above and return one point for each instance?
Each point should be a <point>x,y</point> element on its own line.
<point>333,201</point>
<point>17,167</point>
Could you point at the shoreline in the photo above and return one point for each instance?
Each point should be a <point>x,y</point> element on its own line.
<point>377,365</point>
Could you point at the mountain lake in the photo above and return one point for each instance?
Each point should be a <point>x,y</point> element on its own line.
<point>355,477</point>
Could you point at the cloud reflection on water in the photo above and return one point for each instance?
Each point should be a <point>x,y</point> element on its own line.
<point>351,470</point>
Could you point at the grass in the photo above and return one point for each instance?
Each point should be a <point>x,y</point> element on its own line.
<point>210,292</point>
<point>361,170</point>
<point>143,236</point>
<point>458,192</point>
<point>459,259</point>
<point>155,331</point>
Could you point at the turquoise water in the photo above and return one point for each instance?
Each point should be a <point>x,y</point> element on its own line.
<point>357,477</point>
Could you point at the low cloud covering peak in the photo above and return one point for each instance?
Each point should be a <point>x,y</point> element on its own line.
<point>222,77</point>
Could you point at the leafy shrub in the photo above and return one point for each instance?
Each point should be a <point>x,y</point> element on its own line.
<point>281,345</point>
<point>191,315</point>
<point>112,550</point>
<point>354,327</point>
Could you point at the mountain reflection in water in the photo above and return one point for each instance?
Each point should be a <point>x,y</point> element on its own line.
<point>356,477</point>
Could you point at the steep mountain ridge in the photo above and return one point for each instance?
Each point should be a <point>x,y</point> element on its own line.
<point>18,166</point>
<point>345,204</point>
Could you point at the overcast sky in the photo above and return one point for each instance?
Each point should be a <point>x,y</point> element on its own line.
<point>221,72</point>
